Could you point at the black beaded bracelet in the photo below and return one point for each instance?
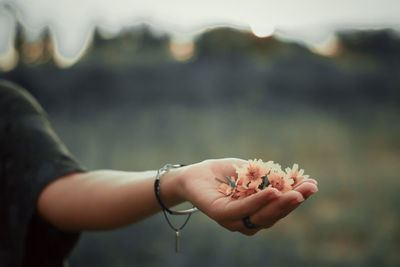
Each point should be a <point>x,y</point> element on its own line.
<point>160,173</point>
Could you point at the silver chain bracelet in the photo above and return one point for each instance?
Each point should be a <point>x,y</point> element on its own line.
<point>165,209</point>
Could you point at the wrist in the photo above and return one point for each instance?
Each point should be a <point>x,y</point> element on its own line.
<point>172,187</point>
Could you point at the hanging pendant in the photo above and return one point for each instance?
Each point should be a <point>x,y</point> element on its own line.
<point>177,241</point>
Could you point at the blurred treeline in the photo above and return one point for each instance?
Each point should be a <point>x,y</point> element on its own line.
<point>228,66</point>
<point>130,104</point>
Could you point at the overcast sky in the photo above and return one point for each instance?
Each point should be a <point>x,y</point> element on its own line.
<point>310,21</point>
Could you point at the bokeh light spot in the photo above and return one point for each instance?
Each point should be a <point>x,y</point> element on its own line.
<point>262,31</point>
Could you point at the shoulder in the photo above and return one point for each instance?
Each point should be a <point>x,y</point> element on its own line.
<point>15,100</point>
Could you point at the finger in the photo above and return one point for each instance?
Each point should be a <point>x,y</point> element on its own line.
<point>278,209</point>
<point>311,180</point>
<point>306,189</point>
<point>238,226</point>
<point>249,232</point>
<point>306,181</point>
<point>227,166</point>
<point>237,209</point>
<point>270,214</point>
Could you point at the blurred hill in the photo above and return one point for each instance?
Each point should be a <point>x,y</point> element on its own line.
<point>137,68</point>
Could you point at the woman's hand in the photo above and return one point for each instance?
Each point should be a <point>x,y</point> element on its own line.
<point>264,208</point>
<point>108,199</point>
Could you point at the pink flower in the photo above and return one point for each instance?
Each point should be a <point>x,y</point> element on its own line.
<point>250,174</point>
<point>279,181</point>
<point>226,188</point>
<point>242,192</point>
<point>295,174</point>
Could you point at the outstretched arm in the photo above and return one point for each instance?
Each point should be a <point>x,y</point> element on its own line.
<point>107,199</point>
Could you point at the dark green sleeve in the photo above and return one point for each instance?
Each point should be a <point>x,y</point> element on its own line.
<point>31,156</point>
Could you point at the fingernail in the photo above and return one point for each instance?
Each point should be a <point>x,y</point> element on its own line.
<point>313,180</point>
<point>314,190</point>
<point>276,192</point>
<point>300,199</point>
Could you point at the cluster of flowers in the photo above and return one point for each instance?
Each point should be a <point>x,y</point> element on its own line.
<point>257,175</point>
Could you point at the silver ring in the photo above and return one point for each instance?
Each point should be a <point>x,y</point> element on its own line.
<point>248,224</point>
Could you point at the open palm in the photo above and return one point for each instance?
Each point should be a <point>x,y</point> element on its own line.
<point>264,208</point>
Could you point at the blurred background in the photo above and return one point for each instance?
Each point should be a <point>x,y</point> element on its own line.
<point>131,85</point>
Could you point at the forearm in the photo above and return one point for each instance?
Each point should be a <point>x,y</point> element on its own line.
<point>106,199</point>
<point>102,200</point>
